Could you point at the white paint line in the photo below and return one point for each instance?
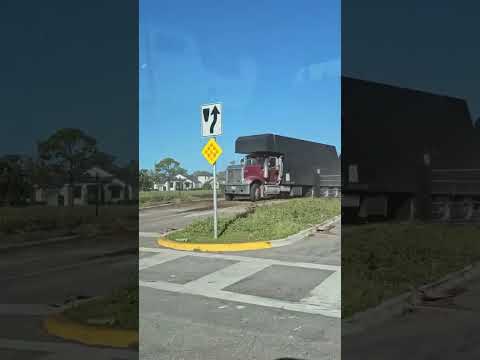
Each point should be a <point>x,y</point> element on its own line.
<point>328,293</point>
<point>227,276</point>
<point>150,261</point>
<point>26,309</point>
<point>68,350</point>
<point>245,259</point>
<point>149,234</point>
<point>243,298</point>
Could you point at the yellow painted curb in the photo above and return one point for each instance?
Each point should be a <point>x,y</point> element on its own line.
<point>59,326</point>
<point>254,245</point>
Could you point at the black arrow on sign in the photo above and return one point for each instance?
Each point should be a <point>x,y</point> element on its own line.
<point>215,112</point>
<point>206,114</point>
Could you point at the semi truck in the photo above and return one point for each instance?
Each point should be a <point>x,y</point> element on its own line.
<point>407,154</point>
<point>280,166</point>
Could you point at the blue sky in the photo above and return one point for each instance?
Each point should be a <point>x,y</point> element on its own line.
<point>275,66</point>
<point>58,72</point>
<point>430,45</point>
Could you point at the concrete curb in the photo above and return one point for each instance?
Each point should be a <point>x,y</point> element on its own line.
<point>399,305</point>
<point>57,325</point>
<point>245,246</point>
<point>304,233</point>
<point>5,248</point>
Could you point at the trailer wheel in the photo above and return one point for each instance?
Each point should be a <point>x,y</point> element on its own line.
<point>255,192</point>
<point>228,197</point>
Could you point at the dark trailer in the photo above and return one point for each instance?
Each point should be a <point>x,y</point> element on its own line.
<point>400,144</point>
<point>278,164</point>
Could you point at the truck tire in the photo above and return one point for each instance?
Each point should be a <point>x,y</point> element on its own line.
<point>255,192</point>
<point>307,191</point>
<point>228,197</point>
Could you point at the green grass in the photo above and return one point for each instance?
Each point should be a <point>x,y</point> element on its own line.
<point>121,306</point>
<point>384,260</point>
<point>47,218</point>
<point>157,197</point>
<point>268,222</point>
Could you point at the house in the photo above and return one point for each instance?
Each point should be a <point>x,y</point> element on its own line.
<point>204,179</point>
<point>180,183</point>
<point>84,190</point>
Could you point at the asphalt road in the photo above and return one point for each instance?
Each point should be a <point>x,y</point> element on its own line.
<point>35,281</point>
<point>251,305</point>
<point>447,331</point>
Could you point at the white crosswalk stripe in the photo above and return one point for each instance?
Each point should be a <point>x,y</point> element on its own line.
<point>227,276</point>
<point>324,299</point>
<point>157,260</point>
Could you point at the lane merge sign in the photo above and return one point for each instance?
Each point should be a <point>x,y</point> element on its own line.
<point>212,151</point>
<point>211,120</point>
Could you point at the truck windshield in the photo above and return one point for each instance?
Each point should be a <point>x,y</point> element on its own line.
<point>252,161</point>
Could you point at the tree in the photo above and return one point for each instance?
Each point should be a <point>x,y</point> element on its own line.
<point>15,184</point>
<point>146,180</point>
<point>69,148</point>
<point>100,159</point>
<point>168,169</point>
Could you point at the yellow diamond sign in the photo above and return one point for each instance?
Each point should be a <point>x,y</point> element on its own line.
<point>212,151</point>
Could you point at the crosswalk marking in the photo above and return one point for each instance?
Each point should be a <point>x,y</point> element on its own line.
<point>328,293</point>
<point>150,234</point>
<point>245,259</point>
<point>322,300</point>
<point>325,310</point>
<point>227,276</point>
<point>157,260</point>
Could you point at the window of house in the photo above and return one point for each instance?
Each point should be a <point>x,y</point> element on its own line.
<point>115,193</point>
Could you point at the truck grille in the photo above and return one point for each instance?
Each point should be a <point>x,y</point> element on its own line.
<point>234,176</point>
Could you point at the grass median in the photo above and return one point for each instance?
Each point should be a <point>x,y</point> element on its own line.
<point>48,219</point>
<point>117,311</point>
<point>381,261</point>
<point>263,223</point>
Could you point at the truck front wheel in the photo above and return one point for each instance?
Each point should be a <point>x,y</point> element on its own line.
<point>255,192</point>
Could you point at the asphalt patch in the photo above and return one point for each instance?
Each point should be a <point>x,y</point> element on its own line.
<point>184,270</point>
<point>281,282</point>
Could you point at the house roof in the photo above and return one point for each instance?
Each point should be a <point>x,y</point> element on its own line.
<point>58,180</point>
<point>97,170</point>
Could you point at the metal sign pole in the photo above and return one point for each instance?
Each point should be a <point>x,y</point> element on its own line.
<point>98,195</point>
<point>215,200</point>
